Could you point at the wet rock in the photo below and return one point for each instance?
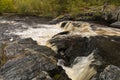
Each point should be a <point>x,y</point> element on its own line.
<point>14,49</point>
<point>26,60</point>
<point>69,47</point>
<point>61,18</point>
<point>81,40</point>
<point>19,48</point>
<point>116,24</point>
<point>28,66</point>
<point>109,48</point>
<point>58,74</point>
<point>111,72</point>
<point>43,76</point>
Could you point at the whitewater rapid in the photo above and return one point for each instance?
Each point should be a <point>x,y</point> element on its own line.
<point>38,32</point>
<point>41,34</point>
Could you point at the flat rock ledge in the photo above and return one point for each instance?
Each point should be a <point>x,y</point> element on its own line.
<point>25,60</point>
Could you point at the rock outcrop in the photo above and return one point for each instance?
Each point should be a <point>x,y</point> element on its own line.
<point>26,61</point>
<point>111,14</point>
<point>111,72</point>
<point>84,47</point>
<point>81,38</point>
<point>115,24</point>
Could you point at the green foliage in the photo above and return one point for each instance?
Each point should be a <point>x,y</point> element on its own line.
<point>51,7</point>
<point>43,7</point>
<point>6,6</point>
<point>57,76</point>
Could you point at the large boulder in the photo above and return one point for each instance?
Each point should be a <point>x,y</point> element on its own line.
<point>76,43</point>
<point>27,68</point>
<point>26,60</point>
<point>115,24</point>
<point>69,47</point>
<point>111,72</point>
<point>79,39</point>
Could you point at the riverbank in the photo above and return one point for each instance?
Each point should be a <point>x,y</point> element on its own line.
<point>108,14</point>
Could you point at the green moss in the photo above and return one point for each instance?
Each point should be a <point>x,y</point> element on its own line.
<point>57,76</point>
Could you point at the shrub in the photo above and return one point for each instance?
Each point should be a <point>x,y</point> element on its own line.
<point>51,7</point>
<point>6,6</point>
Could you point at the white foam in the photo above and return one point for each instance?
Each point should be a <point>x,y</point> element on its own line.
<point>108,31</point>
<point>40,34</point>
<point>85,29</point>
<point>9,22</point>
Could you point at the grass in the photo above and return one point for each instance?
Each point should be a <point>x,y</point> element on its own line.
<point>51,7</point>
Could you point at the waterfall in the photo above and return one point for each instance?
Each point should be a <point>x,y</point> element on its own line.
<point>83,68</point>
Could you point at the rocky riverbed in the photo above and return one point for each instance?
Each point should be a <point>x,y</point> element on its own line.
<point>32,49</point>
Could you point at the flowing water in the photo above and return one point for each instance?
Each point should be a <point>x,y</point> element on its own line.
<point>43,32</point>
<point>38,32</point>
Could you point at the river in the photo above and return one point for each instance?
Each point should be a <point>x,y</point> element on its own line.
<point>13,28</point>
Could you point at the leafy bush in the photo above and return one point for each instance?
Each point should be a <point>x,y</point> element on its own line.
<point>51,7</point>
<point>6,6</point>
